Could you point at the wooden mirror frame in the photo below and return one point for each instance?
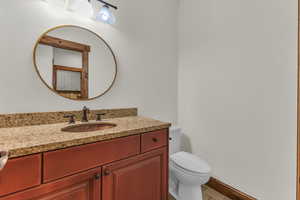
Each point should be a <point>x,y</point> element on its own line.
<point>84,54</point>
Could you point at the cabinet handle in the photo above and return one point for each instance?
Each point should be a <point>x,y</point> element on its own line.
<point>154,139</point>
<point>106,172</point>
<point>97,176</point>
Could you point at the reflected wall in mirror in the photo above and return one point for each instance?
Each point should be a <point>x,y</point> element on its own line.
<point>75,62</point>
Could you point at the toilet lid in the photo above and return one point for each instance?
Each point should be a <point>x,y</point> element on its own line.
<point>190,162</point>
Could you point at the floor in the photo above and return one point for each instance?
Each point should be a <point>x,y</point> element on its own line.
<point>210,194</point>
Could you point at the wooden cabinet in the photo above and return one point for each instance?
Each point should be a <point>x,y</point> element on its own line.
<point>128,168</point>
<point>83,186</point>
<point>141,177</point>
<point>20,173</point>
<point>61,163</point>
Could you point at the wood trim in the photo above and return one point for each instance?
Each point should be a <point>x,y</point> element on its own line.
<point>228,191</point>
<point>85,75</point>
<point>65,68</point>
<point>54,78</point>
<point>73,46</point>
<point>64,44</point>
<point>68,91</point>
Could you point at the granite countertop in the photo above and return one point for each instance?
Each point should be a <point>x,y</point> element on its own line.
<point>21,141</point>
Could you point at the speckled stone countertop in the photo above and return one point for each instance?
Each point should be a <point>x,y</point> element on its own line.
<point>21,141</point>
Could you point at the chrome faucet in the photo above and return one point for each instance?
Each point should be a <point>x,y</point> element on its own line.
<point>85,112</point>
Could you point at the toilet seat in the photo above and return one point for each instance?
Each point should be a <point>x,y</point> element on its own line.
<point>189,162</point>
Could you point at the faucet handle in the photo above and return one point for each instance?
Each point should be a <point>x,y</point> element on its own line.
<point>71,118</point>
<point>99,116</point>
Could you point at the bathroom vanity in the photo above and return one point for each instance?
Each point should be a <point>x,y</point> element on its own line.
<point>128,161</point>
<point>123,157</point>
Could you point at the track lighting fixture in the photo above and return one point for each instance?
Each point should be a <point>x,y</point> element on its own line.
<point>85,8</point>
<point>105,15</point>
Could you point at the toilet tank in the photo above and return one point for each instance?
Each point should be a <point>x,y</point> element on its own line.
<point>175,135</point>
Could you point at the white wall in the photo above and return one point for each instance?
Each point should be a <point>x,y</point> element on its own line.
<point>237,91</point>
<point>44,61</point>
<point>143,40</point>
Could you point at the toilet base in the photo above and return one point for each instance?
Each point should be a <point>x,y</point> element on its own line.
<point>185,192</point>
<point>189,192</point>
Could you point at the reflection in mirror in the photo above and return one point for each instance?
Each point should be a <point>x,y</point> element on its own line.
<point>75,62</point>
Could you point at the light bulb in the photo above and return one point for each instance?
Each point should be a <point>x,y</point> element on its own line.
<point>105,15</point>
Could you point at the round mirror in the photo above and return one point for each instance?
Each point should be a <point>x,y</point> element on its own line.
<point>75,62</point>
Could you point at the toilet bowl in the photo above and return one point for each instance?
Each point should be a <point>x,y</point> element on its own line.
<point>187,171</point>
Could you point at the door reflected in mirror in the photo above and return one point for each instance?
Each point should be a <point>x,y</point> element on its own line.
<point>75,62</point>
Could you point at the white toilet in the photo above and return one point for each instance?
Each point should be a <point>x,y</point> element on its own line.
<point>187,171</point>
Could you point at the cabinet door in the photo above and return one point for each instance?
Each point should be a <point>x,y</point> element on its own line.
<point>84,186</point>
<point>143,177</point>
<point>20,174</point>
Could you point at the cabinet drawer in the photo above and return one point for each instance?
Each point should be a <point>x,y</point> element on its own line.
<point>61,163</point>
<point>20,174</point>
<point>153,140</point>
